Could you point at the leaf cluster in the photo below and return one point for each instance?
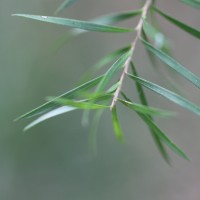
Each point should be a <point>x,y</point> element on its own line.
<point>98,94</point>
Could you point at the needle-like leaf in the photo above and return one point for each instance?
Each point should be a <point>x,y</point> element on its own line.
<point>181,101</point>
<point>193,3</point>
<point>73,23</point>
<point>111,72</point>
<point>171,62</point>
<point>194,32</point>
<point>48,115</point>
<point>116,17</point>
<point>104,19</point>
<point>64,5</point>
<point>163,137</point>
<point>46,107</point>
<point>146,109</point>
<point>105,60</point>
<point>143,100</point>
<point>116,125</point>
<point>79,104</point>
<point>110,57</point>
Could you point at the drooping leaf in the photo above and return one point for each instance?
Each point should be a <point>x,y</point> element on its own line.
<point>163,137</point>
<point>143,100</point>
<point>181,101</point>
<point>111,72</point>
<point>48,115</point>
<point>46,107</point>
<point>146,109</point>
<point>194,32</point>
<point>64,5</point>
<point>193,3</point>
<point>94,129</point>
<point>139,88</point>
<point>173,64</point>
<point>116,125</point>
<point>102,97</point>
<point>73,23</point>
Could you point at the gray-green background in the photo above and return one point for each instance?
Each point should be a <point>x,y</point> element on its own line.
<point>53,160</point>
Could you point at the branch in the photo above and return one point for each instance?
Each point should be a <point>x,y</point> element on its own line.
<point>133,46</point>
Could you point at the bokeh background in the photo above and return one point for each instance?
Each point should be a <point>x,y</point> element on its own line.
<point>54,160</point>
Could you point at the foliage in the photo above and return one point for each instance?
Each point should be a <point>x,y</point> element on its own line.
<point>98,94</point>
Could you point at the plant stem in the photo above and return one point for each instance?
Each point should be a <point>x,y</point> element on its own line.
<point>133,46</point>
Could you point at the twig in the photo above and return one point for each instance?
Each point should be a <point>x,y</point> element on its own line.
<point>133,45</point>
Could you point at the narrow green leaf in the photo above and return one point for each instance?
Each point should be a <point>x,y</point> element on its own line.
<point>108,20</point>
<point>146,109</point>
<point>85,25</point>
<point>79,104</point>
<point>139,88</point>
<point>64,5</point>
<point>113,88</point>
<point>105,60</point>
<point>143,100</point>
<point>163,137</point>
<point>194,32</point>
<point>105,19</point>
<point>113,69</point>
<point>46,107</point>
<point>52,113</point>
<point>168,94</point>
<point>159,39</point>
<point>116,125</point>
<point>173,64</point>
<point>96,98</point>
<point>110,57</point>
<point>116,17</point>
<point>193,3</point>
<point>93,130</point>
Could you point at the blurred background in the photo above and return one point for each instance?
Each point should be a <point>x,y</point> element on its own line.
<point>54,159</point>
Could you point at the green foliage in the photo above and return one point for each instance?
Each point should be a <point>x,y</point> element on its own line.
<point>89,26</point>
<point>64,5</point>
<point>193,3</point>
<point>98,94</point>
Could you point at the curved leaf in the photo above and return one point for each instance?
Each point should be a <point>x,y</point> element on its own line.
<point>168,94</point>
<point>194,32</point>
<point>69,94</point>
<point>52,113</point>
<point>85,25</point>
<point>173,64</point>
<point>146,109</point>
<point>143,100</point>
<point>163,137</point>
